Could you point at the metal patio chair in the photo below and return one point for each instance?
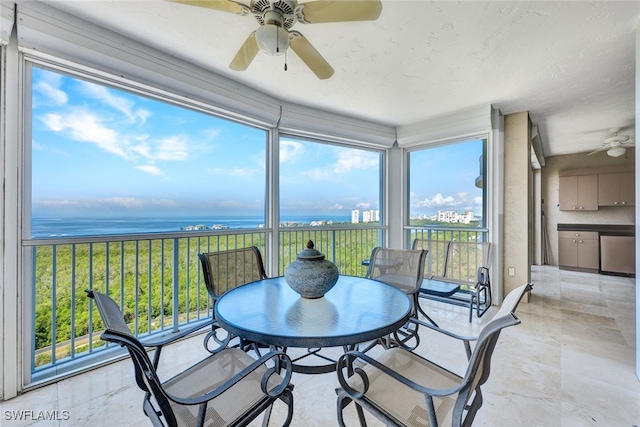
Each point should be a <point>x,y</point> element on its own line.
<point>465,278</point>
<point>510,304</point>
<point>403,269</point>
<point>402,388</point>
<point>226,270</point>
<point>229,388</point>
<point>469,264</point>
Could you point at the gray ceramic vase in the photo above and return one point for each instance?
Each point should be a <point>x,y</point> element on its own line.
<point>311,275</point>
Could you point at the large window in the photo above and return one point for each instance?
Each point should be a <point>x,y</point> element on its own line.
<point>446,185</point>
<point>323,183</point>
<point>107,161</point>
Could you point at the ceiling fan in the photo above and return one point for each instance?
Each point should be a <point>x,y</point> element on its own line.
<point>615,145</point>
<point>274,36</point>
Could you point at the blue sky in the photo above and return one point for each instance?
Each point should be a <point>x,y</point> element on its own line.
<point>102,151</point>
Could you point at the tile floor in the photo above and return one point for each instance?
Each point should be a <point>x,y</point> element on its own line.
<point>570,363</point>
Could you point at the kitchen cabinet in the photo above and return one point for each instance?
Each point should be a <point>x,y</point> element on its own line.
<point>616,189</point>
<point>618,254</point>
<point>578,250</point>
<point>579,193</point>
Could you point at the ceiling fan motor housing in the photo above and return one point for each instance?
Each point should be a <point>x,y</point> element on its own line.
<point>284,9</point>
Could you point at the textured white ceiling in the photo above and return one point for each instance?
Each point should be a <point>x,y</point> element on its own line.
<point>571,64</point>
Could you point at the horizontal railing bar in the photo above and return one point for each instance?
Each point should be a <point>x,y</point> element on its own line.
<point>445,228</point>
<point>141,236</point>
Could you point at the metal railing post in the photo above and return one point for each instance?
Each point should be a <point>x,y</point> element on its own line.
<point>175,284</point>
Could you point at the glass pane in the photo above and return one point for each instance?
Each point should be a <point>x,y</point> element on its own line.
<point>322,184</point>
<point>107,161</point>
<point>445,185</point>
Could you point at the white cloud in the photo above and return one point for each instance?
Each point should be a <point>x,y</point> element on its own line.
<point>170,148</point>
<point>290,151</point>
<point>347,161</point>
<point>439,201</point>
<point>211,134</point>
<point>236,172</point>
<point>126,202</point>
<point>87,127</point>
<point>120,103</point>
<point>355,159</point>
<point>363,205</point>
<point>150,169</point>
<point>51,92</point>
<point>56,202</point>
<point>134,203</point>
<point>230,204</point>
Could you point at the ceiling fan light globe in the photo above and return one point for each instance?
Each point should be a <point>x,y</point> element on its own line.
<point>616,151</point>
<point>272,39</point>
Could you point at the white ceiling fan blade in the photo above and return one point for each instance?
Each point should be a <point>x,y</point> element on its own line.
<point>222,5</point>
<point>310,56</point>
<point>245,55</point>
<point>599,150</point>
<point>314,12</point>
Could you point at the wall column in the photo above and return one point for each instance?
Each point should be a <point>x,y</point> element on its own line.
<point>517,189</point>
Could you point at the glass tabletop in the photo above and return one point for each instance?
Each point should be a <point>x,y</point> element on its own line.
<point>355,310</point>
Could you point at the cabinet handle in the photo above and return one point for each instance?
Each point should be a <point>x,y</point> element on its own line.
<point>615,203</point>
<point>624,203</point>
<point>581,207</point>
<point>577,234</point>
<point>574,240</point>
<point>581,241</point>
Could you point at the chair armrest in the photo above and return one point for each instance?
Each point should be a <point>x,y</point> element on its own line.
<point>444,331</point>
<point>345,362</point>
<point>170,336</point>
<point>280,357</point>
<point>466,339</point>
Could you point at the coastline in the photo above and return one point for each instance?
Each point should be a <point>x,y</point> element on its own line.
<point>43,227</point>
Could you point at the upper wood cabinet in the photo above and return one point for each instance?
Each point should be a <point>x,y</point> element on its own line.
<point>616,189</point>
<point>579,193</point>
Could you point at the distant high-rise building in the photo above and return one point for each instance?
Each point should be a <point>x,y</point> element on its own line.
<point>371,215</point>
<point>355,216</point>
<point>453,216</point>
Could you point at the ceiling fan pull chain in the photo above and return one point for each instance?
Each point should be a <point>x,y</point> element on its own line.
<point>285,61</point>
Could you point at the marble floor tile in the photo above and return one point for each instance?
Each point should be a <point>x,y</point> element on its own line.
<point>571,362</point>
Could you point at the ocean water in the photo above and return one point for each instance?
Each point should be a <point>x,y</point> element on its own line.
<point>93,226</point>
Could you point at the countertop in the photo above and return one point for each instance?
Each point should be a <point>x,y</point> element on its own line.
<point>609,229</point>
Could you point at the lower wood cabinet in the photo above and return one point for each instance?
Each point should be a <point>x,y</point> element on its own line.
<point>578,250</point>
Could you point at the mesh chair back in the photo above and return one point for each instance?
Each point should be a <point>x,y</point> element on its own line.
<point>467,261</point>
<point>117,331</point>
<point>402,268</point>
<point>513,298</point>
<point>225,270</point>
<point>479,364</point>
<point>435,262</point>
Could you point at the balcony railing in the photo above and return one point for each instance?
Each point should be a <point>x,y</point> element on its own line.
<point>434,264</point>
<point>155,277</point>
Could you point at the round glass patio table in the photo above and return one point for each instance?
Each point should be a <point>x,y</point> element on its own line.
<point>354,311</point>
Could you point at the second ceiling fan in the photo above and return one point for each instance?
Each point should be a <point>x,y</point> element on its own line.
<point>274,36</point>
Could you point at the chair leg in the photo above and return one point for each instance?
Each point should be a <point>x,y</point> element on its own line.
<point>421,311</point>
<point>344,401</point>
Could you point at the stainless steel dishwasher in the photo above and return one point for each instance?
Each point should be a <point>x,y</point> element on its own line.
<point>617,254</point>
